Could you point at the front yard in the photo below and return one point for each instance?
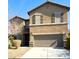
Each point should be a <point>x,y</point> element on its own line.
<point>17,53</point>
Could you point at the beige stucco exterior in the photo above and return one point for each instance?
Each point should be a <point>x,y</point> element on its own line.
<point>46,33</point>
<point>47,27</point>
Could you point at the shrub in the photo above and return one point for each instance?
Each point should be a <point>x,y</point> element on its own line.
<point>17,43</point>
<point>13,42</point>
<point>10,40</point>
<point>68,41</point>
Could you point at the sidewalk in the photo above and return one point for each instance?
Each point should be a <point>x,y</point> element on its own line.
<point>46,52</point>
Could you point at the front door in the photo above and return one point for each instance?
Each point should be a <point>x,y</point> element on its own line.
<point>26,40</point>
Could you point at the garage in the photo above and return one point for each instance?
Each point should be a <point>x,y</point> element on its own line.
<point>54,40</point>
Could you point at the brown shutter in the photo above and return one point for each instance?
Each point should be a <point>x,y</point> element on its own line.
<point>33,19</point>
<point>41,20</point>
<point>61,17</point>
<point>53,18</point>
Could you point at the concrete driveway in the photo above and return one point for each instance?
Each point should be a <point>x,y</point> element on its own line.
<point>46,52</point>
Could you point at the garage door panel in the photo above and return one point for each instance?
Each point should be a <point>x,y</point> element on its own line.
<point>48,40</point>
<point>44,43</point>
<point>45,37</point>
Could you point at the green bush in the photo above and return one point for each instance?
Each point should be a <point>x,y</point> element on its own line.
<point>68,41</point>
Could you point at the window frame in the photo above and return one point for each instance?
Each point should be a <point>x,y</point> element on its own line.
<point>34,19</point>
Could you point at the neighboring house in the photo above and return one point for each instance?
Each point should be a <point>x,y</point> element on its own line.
<point>49,24</point>
<point>9,28</point>
<point>19,27</point>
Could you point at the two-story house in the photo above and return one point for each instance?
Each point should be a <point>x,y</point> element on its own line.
<point>49,24</point>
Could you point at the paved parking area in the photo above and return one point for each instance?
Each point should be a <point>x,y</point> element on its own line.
<point>46,52</point>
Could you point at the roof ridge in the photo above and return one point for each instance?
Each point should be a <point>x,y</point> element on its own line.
<point>17,17</point>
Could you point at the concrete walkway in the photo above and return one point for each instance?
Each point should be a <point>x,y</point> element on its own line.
<point>46,52</point>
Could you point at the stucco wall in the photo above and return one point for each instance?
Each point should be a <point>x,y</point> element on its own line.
<point>49,28</point>
<point>47,10</point>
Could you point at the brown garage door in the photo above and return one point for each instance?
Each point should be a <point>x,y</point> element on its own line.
<point>48,40</point>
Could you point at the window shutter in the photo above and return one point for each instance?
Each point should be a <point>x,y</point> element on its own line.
<point>61,17</point>
<point>33,19</point>
<point>41,20</point>
<point>53,18</point>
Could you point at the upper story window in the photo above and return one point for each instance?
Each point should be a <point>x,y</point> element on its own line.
<point>57,17</point>
<point>37,19</point>
<point>53,18</point>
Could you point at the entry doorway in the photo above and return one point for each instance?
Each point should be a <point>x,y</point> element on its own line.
<point>26,40</point>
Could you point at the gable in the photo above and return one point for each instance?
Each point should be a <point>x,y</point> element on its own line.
<point>17,19</point>
<point>49,5</point>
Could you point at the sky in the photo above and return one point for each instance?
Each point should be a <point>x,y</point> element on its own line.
<point>21,7</point>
